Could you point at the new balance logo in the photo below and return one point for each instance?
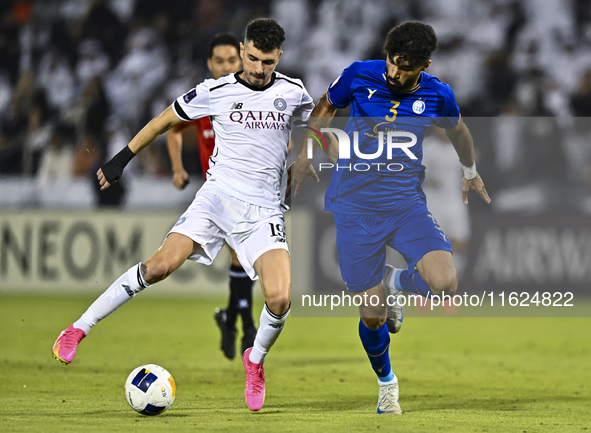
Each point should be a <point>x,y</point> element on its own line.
<point>128,290</point>
<point>236,106</point>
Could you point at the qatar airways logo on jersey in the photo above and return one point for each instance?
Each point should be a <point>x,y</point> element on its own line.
<point>402,140</point>
<point>259,119</point>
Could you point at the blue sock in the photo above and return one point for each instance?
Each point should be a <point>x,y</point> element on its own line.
<point>376,345</point>
<point>413,283</point>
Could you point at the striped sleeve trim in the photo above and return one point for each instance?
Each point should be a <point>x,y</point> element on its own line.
<point>140,279</point>
<point>328,97</point>
<point>180,112</point>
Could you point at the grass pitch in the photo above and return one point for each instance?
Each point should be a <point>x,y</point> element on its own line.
<point>456,374</point>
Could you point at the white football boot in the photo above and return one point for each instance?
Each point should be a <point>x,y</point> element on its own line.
<point>388,399</point>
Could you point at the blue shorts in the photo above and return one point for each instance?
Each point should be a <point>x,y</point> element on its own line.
<point>362,240</point>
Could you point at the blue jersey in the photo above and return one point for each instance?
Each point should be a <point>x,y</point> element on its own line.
<point>374,181</point>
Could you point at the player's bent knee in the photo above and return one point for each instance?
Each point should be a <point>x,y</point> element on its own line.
<point>278,303</point>
<point>373,323</point>
<point>373,311</point>
<point>446,282</point>
<point>373,316</point>
<point>157,270</point>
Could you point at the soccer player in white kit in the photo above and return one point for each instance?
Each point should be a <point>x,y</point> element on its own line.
<point>241,202</point>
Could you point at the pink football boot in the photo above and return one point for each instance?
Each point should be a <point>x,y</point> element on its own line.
<point>254,392</point>
<point>65,346</point>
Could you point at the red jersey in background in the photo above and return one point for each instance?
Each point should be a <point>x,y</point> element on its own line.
<point>205,140</point>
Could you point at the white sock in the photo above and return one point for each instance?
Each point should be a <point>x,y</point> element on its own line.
<point>394,283</point>
<point>122,290</point>
<point>269,329</point>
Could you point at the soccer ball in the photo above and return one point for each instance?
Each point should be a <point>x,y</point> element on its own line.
<point>150,389</point>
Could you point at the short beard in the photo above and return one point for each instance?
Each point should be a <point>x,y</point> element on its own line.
<point>397,88</point>
<point>255,84</point>
<point>394,88</point>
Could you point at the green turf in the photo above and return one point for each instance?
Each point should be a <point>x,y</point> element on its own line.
<point>456,374</point>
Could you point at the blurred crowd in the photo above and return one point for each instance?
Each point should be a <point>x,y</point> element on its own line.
<point>79,77</point>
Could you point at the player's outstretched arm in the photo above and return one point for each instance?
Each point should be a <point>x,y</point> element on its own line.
<point>174,143</point>
<point>302,169</point>
<point>333,148</point>
<point>461,139</point>
<point>112,170</point>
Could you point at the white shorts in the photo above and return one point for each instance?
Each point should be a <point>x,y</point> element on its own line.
<point>215,217</point>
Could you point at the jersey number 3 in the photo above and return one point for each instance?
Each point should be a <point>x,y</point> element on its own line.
<point>393,111</point>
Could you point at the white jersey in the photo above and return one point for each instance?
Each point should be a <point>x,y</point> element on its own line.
<point>252,130</point>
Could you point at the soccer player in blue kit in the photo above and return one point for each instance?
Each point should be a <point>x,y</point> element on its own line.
<point>379,202</point>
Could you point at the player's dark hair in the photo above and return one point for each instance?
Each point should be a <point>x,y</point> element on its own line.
<point>265,34</point>
<point>223,39</point>
<point>413,41</point>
